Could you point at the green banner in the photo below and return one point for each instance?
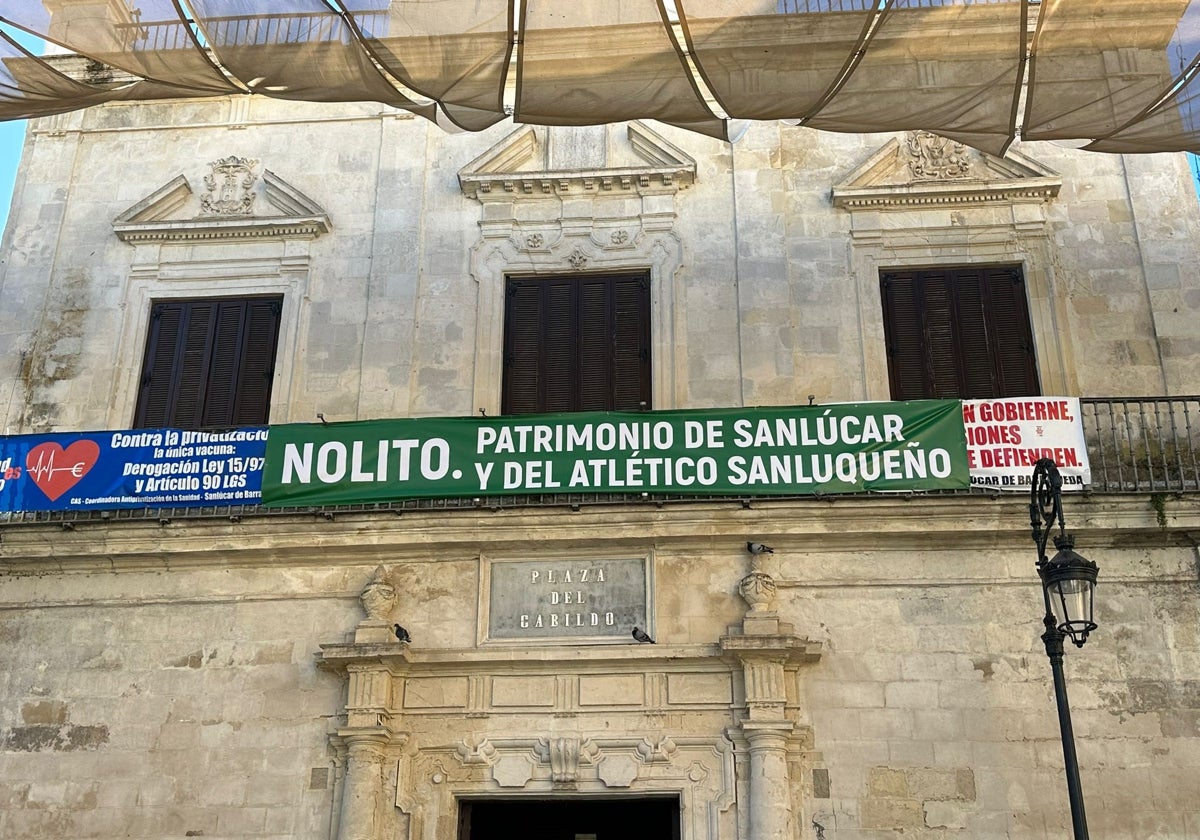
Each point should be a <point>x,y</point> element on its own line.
<point>843,448</point>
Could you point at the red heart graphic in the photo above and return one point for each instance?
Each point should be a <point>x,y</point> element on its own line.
<point>56,470</point>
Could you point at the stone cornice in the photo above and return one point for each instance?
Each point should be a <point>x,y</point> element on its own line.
<point>509,170</point>
<point>926,171</point>
<point>155,218</point>
<point>987,526</point>
<point>287,227</point>
<point>957,193</point>
<point>634,180</point>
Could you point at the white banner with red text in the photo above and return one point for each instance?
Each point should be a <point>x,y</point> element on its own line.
<point>1006,437</point>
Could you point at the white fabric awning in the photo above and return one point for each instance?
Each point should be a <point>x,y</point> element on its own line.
<point>1118,74</point>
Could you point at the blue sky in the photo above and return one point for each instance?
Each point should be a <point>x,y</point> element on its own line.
<point>12,136</point>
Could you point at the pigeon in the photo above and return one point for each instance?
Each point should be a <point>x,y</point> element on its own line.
<point>642,636</point>
<point>759,548</point>
<point>402,634</point>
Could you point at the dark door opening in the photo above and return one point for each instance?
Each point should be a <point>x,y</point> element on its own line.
<point>642,818</point>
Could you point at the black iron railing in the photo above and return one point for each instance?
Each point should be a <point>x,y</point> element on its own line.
<point>1140,444</point>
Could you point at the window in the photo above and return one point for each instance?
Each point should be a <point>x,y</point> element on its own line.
<point>209,363</point>
<point>958,332</point>
<point>576,344</point>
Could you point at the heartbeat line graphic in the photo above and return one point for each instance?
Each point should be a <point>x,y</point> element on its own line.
<point>55,469</point>
<point>44,467</point>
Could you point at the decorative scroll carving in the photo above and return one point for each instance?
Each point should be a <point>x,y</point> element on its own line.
<point>564,759</point>
<point>229,187</point>
<point>934,158</point>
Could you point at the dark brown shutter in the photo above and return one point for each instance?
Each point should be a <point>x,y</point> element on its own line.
<point>631,344</point>
<point>958,332</point>
<point>1013,345</point>
<point>576,344</point>
<point>157,391</point>
<point>558,350</point>
<point>596,341</point>
<point>209,363</point>
<point>976,367</point>
<point>904,331</point>
<point>252,396</point>
<point>522,348</point>
<point>191,368</point>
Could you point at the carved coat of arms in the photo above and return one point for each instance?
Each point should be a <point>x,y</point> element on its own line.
<point>229,188</point>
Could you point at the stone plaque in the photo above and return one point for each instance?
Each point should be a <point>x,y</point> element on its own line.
<point>570,600</point>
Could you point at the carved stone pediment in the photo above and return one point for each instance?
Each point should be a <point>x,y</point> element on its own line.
<point>234,199</point>
<point>923,169</point>
<point>519,166</point>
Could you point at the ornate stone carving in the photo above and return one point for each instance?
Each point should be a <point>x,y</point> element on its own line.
<point>578,260</point>
<point>620,237</point>
<point>535,240</point>
<point>934,158</point>
<point>471,752</point>
<point>658,753</point>
<point>564,759</point>
<point>378,597</point>
<point>758,590</point>
<point>229,187</point>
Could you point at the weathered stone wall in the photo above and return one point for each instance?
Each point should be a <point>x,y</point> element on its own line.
<point>154,688</point>
<point>771,300</point>
<point>161,680</point>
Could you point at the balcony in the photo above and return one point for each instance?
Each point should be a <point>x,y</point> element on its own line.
<point>1136,445</point>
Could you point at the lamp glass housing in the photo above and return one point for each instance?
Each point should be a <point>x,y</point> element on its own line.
<point>1070,583</point>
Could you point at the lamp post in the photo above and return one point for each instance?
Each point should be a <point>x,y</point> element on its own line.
<point>1068,582</point>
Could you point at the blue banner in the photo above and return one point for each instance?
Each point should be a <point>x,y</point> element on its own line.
<point>143,468</point>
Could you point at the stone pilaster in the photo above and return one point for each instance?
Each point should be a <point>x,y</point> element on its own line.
<point>768,652</point>
<point>363,790</point>
<point>770,785</point>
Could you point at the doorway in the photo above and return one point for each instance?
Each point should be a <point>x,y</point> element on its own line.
<point>569,818</point>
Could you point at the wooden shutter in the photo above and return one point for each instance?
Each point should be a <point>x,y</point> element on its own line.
<point>522,348</point>
<point>904,332</point>
<point>631,344</point>
<point>958,332</point>
<point>576,344</point>
<point>209,363</point>
<point>1012,346</point>
<point>976,363</point>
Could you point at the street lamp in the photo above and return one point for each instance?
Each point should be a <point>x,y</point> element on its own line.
<point>1068,582</point>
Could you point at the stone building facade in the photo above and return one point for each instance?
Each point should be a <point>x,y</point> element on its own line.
<point>878,675</point>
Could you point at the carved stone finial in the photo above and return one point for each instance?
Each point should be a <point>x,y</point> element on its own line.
<point>934,158</point>
<point>230,187</point>
<point>758,590</point>
<point>378,597</point>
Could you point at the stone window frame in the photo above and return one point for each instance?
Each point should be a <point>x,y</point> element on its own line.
<point>539,222</point>
<point>993,212</point>
<point>215,256</point>
<point>141,293</point>
<point>182,354</point>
